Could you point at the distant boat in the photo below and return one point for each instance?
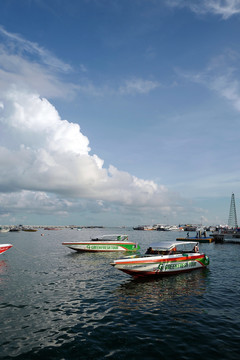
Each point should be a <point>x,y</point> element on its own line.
<point>4,230</point>
<point>162,228</point>
<point>174,228</point>
<point>108,243</point>
<point>29,229</point>
<point>143,227</point>
<point>139,227</point>
<point>51,228</point>
<point>14,229</point>
<point>4,247</point>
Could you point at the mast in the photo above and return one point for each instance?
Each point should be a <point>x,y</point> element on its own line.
<point>232,219</point>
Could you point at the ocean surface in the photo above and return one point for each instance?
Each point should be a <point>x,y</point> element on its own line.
<point>62,305</point>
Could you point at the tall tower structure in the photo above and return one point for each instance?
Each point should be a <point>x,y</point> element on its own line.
<point>232,219</point>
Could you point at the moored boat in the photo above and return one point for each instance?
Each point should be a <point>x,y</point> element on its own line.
<point>162,259</point>
<point>4,247</point>
<point>29,229</point>
<point>109,243</point>
<point>51,228</point>
<point>4,229</point>
<point>14,229</point>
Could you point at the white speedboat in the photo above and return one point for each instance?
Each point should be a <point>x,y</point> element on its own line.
<point>4,247</point>
<point>164,258</point>
<point>107,243</point>
<point>4,229</point>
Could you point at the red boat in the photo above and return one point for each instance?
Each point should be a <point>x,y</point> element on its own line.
<point>4,247</point>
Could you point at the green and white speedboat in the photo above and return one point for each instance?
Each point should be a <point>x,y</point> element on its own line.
<point>108,243</point>
<point>164,258</point>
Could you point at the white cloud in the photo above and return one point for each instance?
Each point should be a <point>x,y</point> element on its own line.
<point>138,86</point>
<point>224,8</point>
<point>30,66</point>
<point>220,76</point>
<point>228,88</point>
<point>44,159</point>
<point>83,68</point>
<point>22,46</point>
<point>15,69</point>
<point>29,201</point>
<point>47,154</point>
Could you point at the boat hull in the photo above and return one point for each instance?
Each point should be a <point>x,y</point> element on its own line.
<point>100,246</point>
<point>200,240</point>
<point>4,247</point>
<point>161,265</point>
<point>29,230</point>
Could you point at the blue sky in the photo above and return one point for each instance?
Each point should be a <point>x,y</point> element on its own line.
<point>118,112</point>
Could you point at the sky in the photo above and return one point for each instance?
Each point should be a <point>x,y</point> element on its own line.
<point>118,112</point>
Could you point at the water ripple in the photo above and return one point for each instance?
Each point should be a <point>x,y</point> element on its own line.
<point>65,305</point>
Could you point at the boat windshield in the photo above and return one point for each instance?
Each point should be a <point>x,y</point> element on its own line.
<point>111,237</point>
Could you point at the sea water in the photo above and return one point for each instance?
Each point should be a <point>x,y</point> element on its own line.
<point>59,304</point>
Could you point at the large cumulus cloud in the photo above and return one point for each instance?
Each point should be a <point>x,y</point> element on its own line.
<point>47,166</point>
<point>42,152</point>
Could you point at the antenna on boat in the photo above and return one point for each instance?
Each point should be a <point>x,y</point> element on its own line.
<point>232,219</point>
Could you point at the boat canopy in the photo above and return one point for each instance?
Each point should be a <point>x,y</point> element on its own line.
<point>115,237</point>
<point>164,245</point>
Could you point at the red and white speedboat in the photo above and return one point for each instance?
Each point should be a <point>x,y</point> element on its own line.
<point>163,259</point>
<point>4,247</point>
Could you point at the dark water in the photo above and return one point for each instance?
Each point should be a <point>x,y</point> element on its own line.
<point>58,304</point>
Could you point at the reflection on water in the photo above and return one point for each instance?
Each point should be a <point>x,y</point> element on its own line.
<point>3,267</point>
<point>167,293</point>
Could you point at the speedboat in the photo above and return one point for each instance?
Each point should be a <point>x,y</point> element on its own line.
<point>164,258</point>
<point>107,243</point>
<point>4,230</point>
<point>4,247</point>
